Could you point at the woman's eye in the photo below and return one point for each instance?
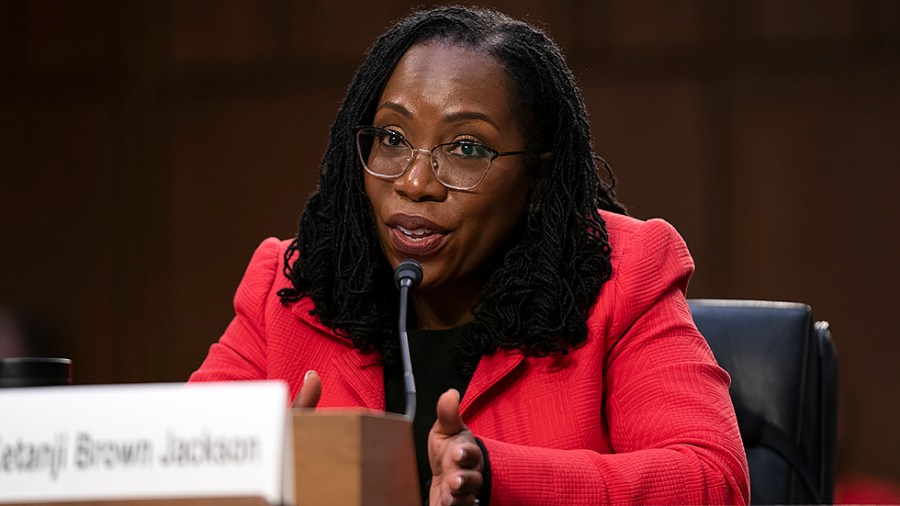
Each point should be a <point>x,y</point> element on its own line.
<point>470,150</point>
<point>392,139</point>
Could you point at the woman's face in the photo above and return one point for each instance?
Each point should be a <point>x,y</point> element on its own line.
<point>440,93</point>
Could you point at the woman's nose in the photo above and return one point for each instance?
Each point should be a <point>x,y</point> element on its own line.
<point>419,182</point>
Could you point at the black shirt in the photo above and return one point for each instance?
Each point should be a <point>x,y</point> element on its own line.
<point>433,357</point>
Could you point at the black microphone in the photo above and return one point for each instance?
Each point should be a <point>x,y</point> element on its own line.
<point>407,275</point>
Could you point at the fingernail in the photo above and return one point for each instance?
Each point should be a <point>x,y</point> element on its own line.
<point>460,454</point>
<point>306,376</point>
<point>459,482</point>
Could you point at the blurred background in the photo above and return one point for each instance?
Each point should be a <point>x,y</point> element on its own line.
<point>147,147</point>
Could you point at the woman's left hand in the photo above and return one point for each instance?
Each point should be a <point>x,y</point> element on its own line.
<point>456,460</point>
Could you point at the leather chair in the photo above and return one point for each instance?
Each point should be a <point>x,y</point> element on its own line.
<point>784,388</point>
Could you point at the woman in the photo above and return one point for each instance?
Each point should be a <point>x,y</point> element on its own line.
<point>463,142</point>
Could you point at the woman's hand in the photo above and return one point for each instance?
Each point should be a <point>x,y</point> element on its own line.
<point>456,460</point>
<point>309,392</point>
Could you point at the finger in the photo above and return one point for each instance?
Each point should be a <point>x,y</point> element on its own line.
<point>467,482</point>
<point>467,455</point>
<point>449,421</point>
<point>310,391</point>
<point>446,498</point>
<point>460,499</point>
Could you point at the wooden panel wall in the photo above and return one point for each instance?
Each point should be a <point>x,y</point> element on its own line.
<point>146,147</point>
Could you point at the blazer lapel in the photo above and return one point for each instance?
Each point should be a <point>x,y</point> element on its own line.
<point>301,310</point>
<point>363,376</point>
<point>491,369</point>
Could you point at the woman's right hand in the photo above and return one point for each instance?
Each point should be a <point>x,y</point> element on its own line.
<point>309,392</point>
<point>457,464</point>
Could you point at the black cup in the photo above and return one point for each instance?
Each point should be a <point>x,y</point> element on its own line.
<point>35,372</point>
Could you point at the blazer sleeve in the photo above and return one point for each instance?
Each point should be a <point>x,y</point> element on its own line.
<point>240,354</point>
<point>668,414</point>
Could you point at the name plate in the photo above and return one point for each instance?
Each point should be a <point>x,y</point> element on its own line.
<point>144,441</point>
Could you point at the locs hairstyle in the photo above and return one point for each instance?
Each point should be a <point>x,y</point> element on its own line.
<point>538,298</point>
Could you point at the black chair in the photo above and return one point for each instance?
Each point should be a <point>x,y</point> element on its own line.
<point>784,388</point>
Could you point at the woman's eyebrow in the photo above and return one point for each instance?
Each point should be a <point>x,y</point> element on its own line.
<point>468,115</point>
<point>448,118</point>
<point>394,106</point>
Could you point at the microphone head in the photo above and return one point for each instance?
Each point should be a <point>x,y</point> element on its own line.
<point>410,270</point>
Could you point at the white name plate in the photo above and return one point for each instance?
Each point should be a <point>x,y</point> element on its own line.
<point>143,441</point>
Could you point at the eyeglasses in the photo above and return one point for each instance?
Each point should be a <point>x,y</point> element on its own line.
<point>459,165</point>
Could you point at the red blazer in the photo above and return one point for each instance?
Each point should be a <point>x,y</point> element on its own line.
<point>639,413</point>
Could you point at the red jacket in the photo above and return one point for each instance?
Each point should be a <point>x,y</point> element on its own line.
<point>639,413</point>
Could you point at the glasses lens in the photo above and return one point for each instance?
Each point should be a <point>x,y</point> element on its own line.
<point>383,153</point>
<point>462,164</point>
<point>459,165</point>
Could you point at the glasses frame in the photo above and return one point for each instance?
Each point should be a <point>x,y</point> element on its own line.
<point>358,130</point>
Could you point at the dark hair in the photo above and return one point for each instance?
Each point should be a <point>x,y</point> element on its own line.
<point>538,298</point>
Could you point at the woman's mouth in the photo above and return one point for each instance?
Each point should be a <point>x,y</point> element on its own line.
<point>414,235</point>
<point>419,233</point>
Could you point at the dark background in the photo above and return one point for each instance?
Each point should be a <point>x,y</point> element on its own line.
<point>146,147</point>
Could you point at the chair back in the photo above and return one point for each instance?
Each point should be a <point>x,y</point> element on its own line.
<point>784,388</point>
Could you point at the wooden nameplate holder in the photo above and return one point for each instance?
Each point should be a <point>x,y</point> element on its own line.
<point>351,458</point>
<point>354,458</point>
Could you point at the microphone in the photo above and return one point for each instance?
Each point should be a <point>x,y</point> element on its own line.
<point>407,275</point>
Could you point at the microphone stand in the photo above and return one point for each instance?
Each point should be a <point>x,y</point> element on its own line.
<point>407,275</point>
